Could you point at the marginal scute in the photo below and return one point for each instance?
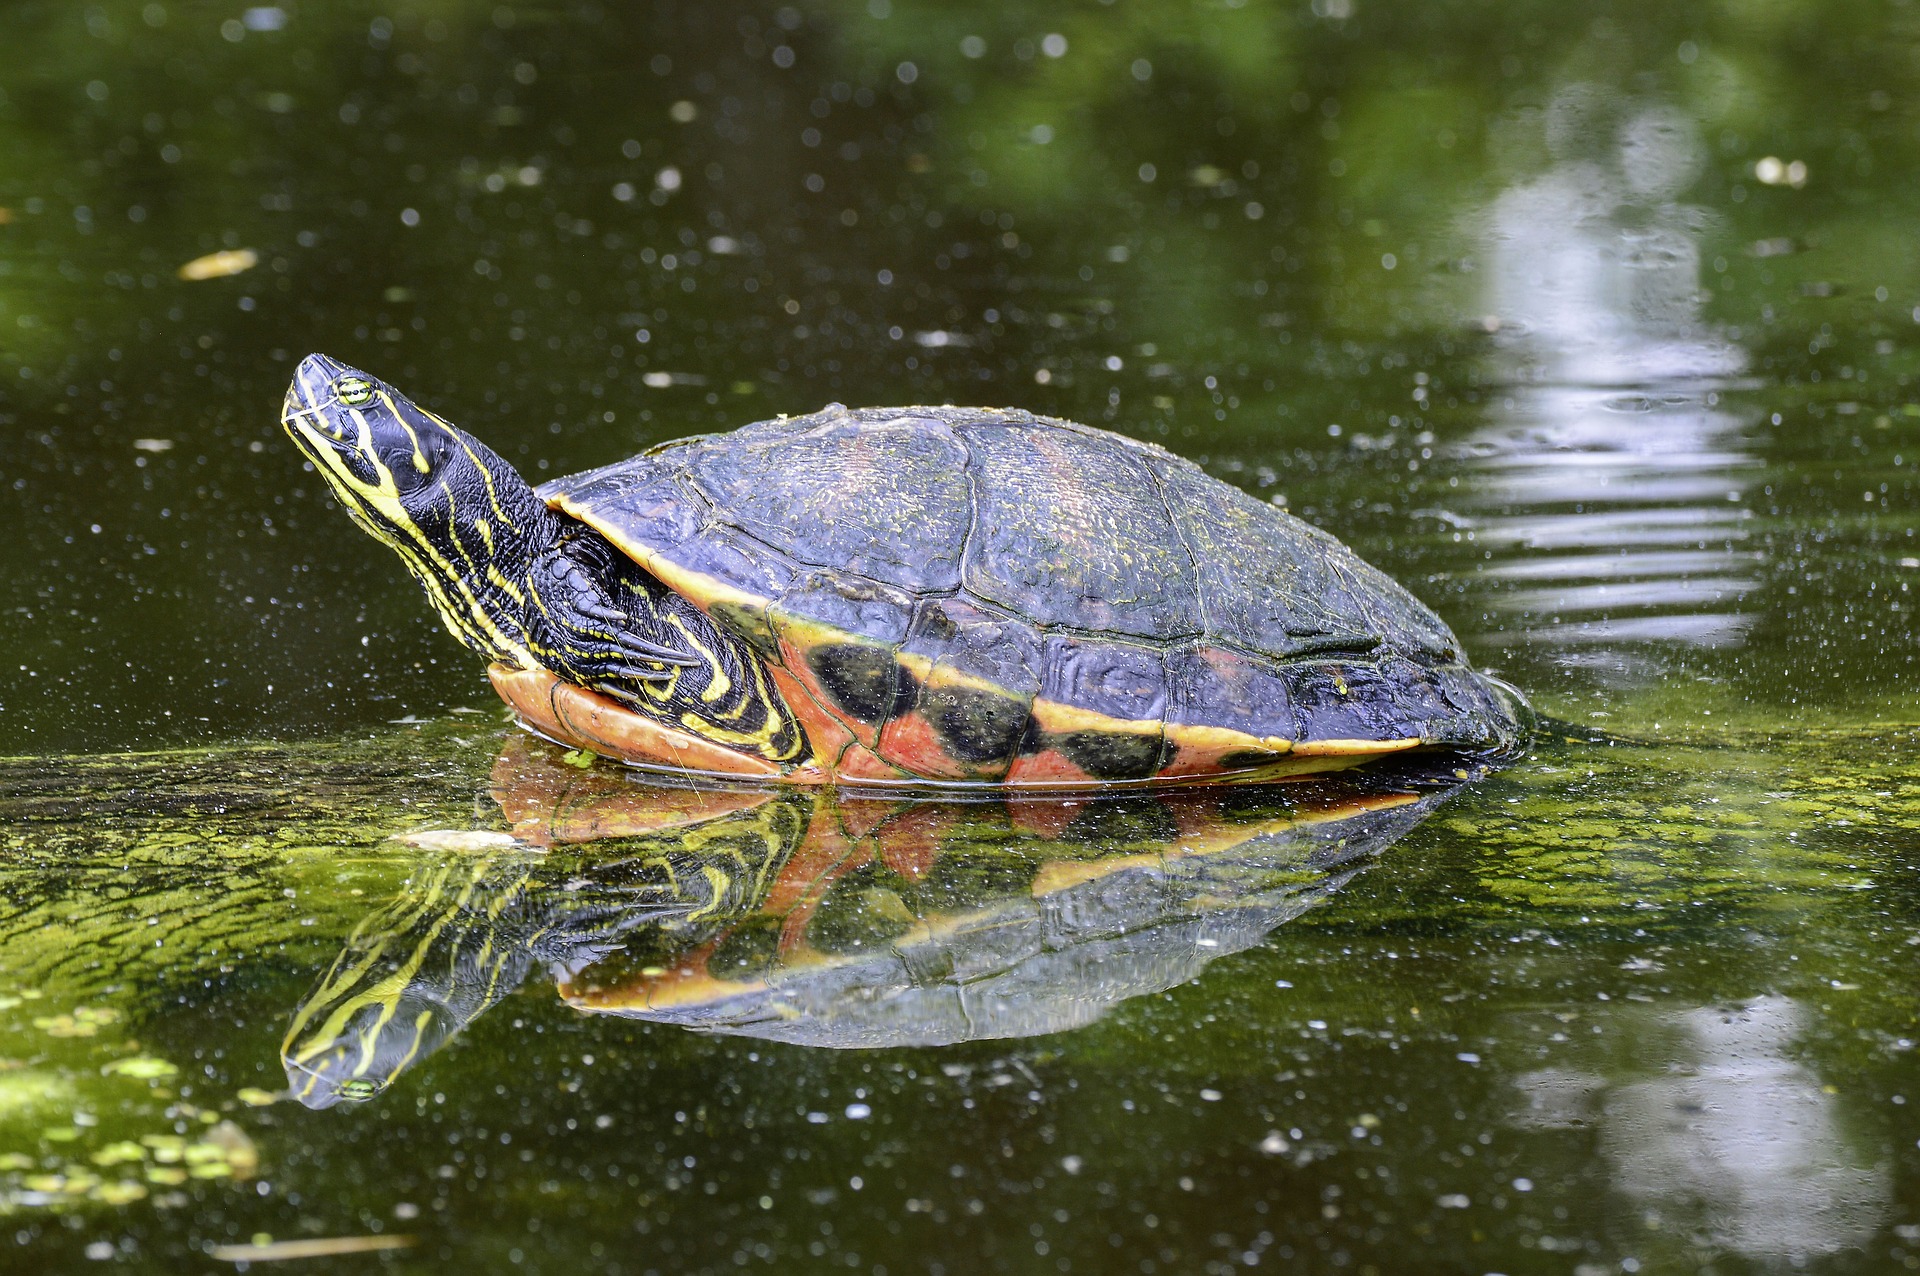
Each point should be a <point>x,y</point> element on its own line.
<point>1109,755</point>
<point>1211,686</point>
<point>864,680</point>
<point>845,629</point>
<point>982,672</point>
<point>1119,680</point>
<point>977,725</point>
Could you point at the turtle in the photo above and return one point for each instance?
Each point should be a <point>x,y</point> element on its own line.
<point>904,597</point>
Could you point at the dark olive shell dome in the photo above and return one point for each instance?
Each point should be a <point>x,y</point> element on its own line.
<point>983,584</point>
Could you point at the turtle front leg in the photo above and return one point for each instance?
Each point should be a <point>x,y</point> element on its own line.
<point>591,639</point>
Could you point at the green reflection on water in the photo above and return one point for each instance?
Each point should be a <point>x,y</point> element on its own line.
<point>1607,972</point>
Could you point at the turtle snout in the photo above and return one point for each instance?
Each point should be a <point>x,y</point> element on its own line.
<point>320,387</point>
<point>318,372</point>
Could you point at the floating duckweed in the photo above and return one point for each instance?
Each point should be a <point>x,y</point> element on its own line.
<point>85,1021</point>
<point>255,1097</point>
<point>121,1192</point>
<point>167,1148</point>
<point>119,1153</point>
<point>143,1067</point>
<point>167,1175</point>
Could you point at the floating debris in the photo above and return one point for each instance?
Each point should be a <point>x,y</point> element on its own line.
<point>153,445</point>
<point>940,338</point>
<point>268,1251</point>
<point>457,840</point>
<point>219,265</point>
<point>235,1148</point>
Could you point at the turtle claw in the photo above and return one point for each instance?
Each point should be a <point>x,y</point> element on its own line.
<point>637,674</point>
<point>641,649</point>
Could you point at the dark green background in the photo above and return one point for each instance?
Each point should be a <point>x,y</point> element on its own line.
<point>822,203</point>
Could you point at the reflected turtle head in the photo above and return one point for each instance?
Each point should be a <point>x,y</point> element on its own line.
<point>354,1052</point>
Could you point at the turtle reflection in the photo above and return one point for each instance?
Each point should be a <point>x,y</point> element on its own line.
<point>806,918</point>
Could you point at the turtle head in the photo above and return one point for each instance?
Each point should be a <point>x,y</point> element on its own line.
<point>381,453</point>
<point>429,491</point>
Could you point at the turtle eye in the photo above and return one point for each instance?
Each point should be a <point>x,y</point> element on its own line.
<point>353,391</point>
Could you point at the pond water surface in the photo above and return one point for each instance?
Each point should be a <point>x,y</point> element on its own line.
<point>1596,326</point>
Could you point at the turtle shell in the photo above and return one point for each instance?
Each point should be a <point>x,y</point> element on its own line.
<point>980,595</point>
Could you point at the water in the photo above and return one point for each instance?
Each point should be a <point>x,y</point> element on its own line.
<point>1532,306</point>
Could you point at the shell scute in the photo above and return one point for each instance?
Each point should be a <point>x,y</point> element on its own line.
<point>980,675</point>
<point>649,492</point>
<point>1123,681</point>
<point>1265,583</point>
<point>1102,707</point>
<point>1213,687</point>
<point>841,632</point>
<point>887,499</point>
<point>1071,530</point>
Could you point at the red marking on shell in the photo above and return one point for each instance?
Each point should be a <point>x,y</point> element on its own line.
<point>1047,768</point>
<point>860,763</point>
<point>839,753</point>
<point>826,733</point>
<point>794,659</point>
<point>910,742</point>
<point>1197,751</point>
